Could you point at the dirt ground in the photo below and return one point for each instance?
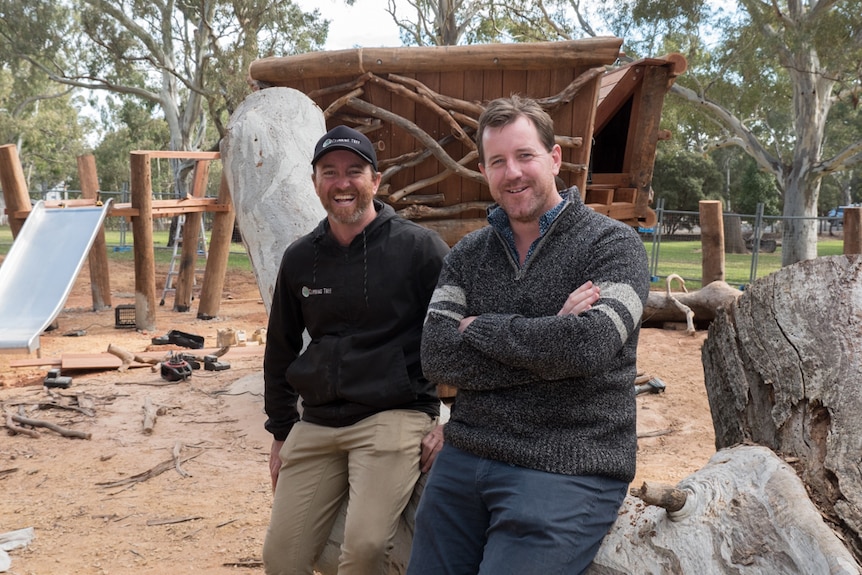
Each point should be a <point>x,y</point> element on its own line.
<point>193,496</point>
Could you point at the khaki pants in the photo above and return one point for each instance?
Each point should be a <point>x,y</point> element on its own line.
<point>375,463</point>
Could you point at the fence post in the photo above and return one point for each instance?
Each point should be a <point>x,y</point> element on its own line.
<point>852,230</point>
<point>755,248</point>
<point>712,241</point>
<point>656,240</point>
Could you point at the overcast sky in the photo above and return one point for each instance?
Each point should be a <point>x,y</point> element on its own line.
<point>365,24</point>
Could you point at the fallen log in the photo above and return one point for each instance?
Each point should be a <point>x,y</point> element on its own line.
<point>703,303</point>
<point>151,412</point>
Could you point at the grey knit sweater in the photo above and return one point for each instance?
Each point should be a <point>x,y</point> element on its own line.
<point>537,390</point>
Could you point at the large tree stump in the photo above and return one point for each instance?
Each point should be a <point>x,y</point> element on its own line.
<point>782,370</point>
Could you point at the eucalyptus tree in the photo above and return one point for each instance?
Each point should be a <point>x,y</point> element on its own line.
<point>36,115</point>
<point>770,84</point>
<point>188,57</point>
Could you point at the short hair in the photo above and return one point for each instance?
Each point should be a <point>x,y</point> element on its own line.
<point>504,111</point>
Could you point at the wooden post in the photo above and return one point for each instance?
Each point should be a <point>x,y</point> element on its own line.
<point>219,250</point>
<point>712,241</point>
<point>14,187</point>
<point>852,231</point>
<point>100,279</point>
<point>142,229</point>
<point>191,235</point>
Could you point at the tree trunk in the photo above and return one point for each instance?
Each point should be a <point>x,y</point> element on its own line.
<point>782,369</point>
<point>734,243</point>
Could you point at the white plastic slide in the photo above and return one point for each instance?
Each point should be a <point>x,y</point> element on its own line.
<point>40,270</point>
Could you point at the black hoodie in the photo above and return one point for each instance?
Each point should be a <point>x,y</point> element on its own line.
<point>363,306</point>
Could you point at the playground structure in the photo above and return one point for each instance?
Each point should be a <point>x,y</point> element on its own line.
<point>420,105</point>
<point>140,211</point>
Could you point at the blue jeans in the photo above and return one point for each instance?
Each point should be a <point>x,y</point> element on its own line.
<point>479,516</point>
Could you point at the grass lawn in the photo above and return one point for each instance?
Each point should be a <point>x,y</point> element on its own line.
<point>684,259</point>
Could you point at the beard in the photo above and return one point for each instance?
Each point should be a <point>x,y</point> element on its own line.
<point>351,214</point>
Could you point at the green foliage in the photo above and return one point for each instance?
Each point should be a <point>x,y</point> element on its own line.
<point>186,62</point>
<point>41,120</point>
<point>685,178</point>
<point>755,187</point>
<point>37,115</point>
<point>138,130</point>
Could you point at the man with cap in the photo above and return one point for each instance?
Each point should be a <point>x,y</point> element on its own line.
<point>359,284</point>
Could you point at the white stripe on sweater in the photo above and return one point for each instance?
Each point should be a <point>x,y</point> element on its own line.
<point>626,295</point>
<point>446,300</point>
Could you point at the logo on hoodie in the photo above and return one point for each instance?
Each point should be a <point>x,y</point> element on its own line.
<point>307,291</point>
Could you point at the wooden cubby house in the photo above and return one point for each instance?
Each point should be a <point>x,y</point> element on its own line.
<point>420,105</point>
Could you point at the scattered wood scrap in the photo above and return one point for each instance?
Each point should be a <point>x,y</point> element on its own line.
<point>12,419</point>
<point>247,563</point>
<point>151,412</point>
<point>172,521</point>
<point>5,472</point>
<point>128,358</point>
<point>655,433</point>
<point>14,428</point>
<point>172,463</point>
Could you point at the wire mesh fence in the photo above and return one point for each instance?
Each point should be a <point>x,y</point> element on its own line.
<point>753,245</point>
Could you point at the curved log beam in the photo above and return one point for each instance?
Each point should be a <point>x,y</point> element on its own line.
<point>335,106</point>
<point>421,212</point>
<point>567,94</point>
<point>400,90</point>
<point>415,186</point>
<point>420,135</point>
<point>471,109</point>
<point>345,87</point>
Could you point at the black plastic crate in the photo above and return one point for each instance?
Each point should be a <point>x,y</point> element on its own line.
<point>124,316</point>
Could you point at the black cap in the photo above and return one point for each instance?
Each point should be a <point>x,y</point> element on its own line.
<point>344,138</point>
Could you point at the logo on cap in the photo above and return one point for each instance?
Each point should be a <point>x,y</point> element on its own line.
<point>331,141</point>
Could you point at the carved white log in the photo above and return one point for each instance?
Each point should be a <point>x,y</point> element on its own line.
<point>266,155</point>
<point>747,513</point>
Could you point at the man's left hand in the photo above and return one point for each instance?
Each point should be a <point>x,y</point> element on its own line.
<point>431,446</point>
